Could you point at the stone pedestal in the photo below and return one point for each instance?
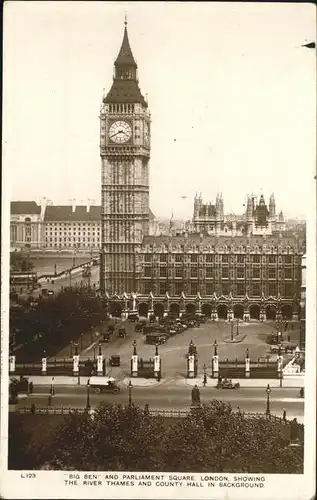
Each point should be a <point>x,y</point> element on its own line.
<point>191,366</point>
<point>44,366</point>
<point>215,366</point>
<point>11,364</point>
<point>247,367</point>
<point>134,365</point>
<point>262,316</point>
<point>230,316</point>
<point>157,365</point>
<point>76,365</point>
<point>214,315</point>
<point>100,365</point>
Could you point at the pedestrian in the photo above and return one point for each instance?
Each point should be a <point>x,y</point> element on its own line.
<point>284,415</point>
<point>31,387</point>
<point>159,376</point>
<point>195,396</point>
<point>205,380</point>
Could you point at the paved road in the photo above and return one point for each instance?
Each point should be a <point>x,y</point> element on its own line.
<point>178,397</point>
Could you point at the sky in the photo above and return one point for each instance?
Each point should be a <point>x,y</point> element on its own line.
<point>231,91</point>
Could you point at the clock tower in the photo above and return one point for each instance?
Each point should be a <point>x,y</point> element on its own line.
<point>125,154</point>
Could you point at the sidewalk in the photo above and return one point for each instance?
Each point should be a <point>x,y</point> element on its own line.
<point>293,382</point>
<point>297,382</point>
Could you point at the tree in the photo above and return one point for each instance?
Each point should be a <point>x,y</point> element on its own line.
<point>212,438</point>
<point>216,439</point>
<point>116,438</point>
<point>19,263</point>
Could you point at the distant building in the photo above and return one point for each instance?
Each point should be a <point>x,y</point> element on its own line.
<point>69,226</point>
<point>257,220</point>
<point>26,225</point>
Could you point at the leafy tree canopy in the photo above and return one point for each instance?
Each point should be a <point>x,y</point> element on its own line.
<point>20,263</point>
<point>213,438</point>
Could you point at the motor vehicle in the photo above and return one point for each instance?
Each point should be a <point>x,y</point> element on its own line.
<point>227,384</point>
<point>133,317</point>
<point>155,338</point>
<point>106,336</point>
<point>104,384</point>
<point>122,332</point>
<point>288,346</point>
<point>21,384</point>
<point>114,360</point>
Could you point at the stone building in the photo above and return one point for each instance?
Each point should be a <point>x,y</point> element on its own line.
<point>26,225</point>
<point>258,219</point>
<point>69,226</point>
<point>125,151</point>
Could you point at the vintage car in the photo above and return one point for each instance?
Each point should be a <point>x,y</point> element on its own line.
<point>227,384</point>
<point>114,360</point>
<point>122,332</point>
<point>103,384</point>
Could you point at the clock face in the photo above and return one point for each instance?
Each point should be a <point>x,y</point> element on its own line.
<point>120,132</point>
<point>146,134</point>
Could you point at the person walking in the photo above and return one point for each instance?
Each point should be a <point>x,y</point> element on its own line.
<point>284,415</point>
<point>31,387</point>
<point>205,380</point>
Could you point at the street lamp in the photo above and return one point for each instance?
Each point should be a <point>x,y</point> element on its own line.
<point>268,390</point>
<point>81,341</point>
<point>88,395</point>
<point>52,387</point>
<point>231,324</point>
<point>130,386</point>
<point>237,326</point>
<point>205,374</point>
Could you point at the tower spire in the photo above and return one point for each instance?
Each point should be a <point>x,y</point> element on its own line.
<point>125,56</point>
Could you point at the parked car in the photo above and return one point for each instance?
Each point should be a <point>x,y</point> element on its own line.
<point>114,360</point>
<point>122,332</point>
<point>133,317</point>
<point>155,338</point>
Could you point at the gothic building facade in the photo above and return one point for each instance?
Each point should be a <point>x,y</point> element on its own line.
<point>125,152</point>
<point>258,219</point>
<point>225,268</point>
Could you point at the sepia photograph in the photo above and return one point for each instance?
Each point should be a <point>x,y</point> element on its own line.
<point>158,322</point>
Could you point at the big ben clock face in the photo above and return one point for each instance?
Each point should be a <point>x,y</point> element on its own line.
<point>146,134</point>
<point>120,132</point>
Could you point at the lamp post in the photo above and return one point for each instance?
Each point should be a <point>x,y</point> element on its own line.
<point>268,390</point>
<point>231,324</point>
<point>88,395</point>
<point>130,386</point>
<point>52,387</point>
<point>205,374</point>
<point>237,326</point>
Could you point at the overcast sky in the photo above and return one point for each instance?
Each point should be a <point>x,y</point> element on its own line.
<point>230,89</point>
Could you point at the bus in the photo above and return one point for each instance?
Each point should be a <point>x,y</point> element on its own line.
<point>24,279</point>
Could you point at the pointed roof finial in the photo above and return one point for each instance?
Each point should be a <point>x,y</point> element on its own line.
<point>125,18</point>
